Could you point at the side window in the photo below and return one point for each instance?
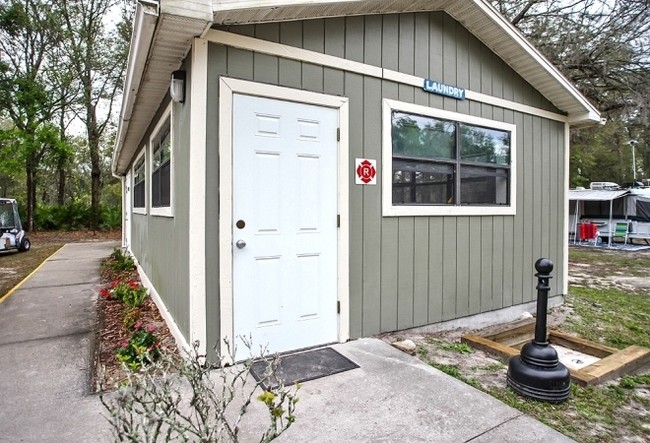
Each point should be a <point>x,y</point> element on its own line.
<point>445,163</point>
<point>161,167</point>
<point>139,178</point>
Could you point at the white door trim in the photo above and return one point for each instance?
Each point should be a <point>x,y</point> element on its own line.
<point>228,87</point>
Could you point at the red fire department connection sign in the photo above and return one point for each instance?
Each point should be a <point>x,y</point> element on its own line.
<point>366,170</point>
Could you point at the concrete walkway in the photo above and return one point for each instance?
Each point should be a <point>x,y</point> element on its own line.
<point>47,335</point>
<point>47,329</point>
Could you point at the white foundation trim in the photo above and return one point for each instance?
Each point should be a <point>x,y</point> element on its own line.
<point>197,193</point>
<point>490,318</point>
<point>317,58</point>
<point>227,88</point>
<point>181,343</point>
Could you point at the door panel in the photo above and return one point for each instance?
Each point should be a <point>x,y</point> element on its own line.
<point>285,196</point>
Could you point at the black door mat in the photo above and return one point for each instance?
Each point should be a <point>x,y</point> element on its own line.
<point>303,366</point>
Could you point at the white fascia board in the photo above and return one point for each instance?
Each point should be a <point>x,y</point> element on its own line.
<point>195,9</point>
<point>144,26</point>
<point>585,118</point>
<point>234,5</point>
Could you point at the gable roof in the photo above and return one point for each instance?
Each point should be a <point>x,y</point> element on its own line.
<point>164,38</point>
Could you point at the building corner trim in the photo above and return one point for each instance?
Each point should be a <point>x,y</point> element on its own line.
<point>197,194</point>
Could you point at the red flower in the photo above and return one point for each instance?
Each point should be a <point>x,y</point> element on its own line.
<point>151,328</point>
<point>138,325</point>
<point>105,293</point>
<point>134,285</point>
<point>115,283</point>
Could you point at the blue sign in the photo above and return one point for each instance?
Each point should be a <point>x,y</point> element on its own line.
<point>444,89</point>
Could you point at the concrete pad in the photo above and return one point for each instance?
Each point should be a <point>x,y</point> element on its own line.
<point>391,397</point>
<point>522,429</point>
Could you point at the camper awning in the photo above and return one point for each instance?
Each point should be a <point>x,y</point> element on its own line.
<point>595,195</point>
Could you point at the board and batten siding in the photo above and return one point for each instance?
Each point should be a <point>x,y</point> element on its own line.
<point>413,271</point>
<point>160,243</point>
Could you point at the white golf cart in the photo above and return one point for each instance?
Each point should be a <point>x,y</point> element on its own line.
<point>12,235</point>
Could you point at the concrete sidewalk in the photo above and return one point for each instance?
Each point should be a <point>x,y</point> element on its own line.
<point>47,333</point>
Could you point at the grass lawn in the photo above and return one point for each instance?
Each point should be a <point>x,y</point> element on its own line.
<point>606,308</point>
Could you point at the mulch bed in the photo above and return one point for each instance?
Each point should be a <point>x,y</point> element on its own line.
<point>109,372</point>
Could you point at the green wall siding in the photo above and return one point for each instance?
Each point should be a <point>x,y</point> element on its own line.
<point>413,271</point>
<point>160,243</point>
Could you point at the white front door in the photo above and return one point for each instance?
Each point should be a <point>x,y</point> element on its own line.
<point>284,223</point>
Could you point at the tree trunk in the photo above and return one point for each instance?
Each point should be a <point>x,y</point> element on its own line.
<point>60,166</point>
<point>60,197</point>
<point>31,193</point>
<point>96,173</point>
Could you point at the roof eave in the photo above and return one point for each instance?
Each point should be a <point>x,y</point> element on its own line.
<point>159,44</point>
<point>144,25</point>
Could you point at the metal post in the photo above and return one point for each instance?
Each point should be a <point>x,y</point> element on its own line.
<point>537,372</point>
<point>542,302</point>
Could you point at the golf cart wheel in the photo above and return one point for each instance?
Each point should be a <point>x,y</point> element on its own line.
<point>25,245</point>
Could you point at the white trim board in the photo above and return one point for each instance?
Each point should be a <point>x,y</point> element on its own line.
<point>330,61</point>
<point>197,194</point>
<point>162,211</point>
<point>227,88</point>
<point>142,210</point>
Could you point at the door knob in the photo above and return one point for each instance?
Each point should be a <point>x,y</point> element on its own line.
<point>241,244</point>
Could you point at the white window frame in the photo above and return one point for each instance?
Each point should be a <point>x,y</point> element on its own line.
<point>389,210</point>
<point>165,211</point>
<point>139,210</point>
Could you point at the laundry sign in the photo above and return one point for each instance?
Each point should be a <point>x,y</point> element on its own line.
<point>366,170</point>
<point>444,89</point>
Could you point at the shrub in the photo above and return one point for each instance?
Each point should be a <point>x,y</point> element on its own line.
<point>193,400</point>
<point>75,216</point>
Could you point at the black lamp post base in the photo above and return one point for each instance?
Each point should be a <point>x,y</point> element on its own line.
<point>551,383</point>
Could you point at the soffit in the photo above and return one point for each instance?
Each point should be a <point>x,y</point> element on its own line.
<point>171,43</point>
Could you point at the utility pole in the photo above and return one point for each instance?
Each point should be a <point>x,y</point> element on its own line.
<point>633,144</point>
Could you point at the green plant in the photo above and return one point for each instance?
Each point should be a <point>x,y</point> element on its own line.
<point>131,293</point>
<point>462,348</point>
<point>131,317</point>
<point>141,349</point>
<point>118,261</point>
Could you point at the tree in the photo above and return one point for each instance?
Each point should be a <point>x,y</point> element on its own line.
<point>98,58</point>
<point>602,46</point>
<point>28,29</point>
